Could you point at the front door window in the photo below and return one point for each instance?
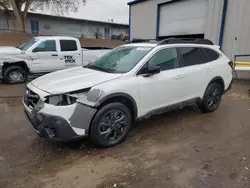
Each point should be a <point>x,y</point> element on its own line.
<point>46,46</point>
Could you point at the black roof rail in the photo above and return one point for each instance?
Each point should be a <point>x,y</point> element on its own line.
<point>185,40</point>
<point>142,40</point>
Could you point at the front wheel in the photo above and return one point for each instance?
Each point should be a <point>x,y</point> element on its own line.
<point>15,75</point>
<point>110,125</point>
<point>212,98</point>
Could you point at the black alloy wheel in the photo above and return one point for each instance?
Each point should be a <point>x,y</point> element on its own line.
<point>110,125</point>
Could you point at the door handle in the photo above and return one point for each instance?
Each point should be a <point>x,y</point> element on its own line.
<point>208,70</point>
<point>178,77</point>
<point>54,55</point>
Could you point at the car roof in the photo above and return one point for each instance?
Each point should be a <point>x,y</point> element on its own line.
<point>54,37</point>
<point>152,45</point>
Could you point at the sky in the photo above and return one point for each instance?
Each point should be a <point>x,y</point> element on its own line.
<point>101,10</point>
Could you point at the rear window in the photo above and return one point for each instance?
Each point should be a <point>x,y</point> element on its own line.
<point>211,54</point>
<point>68,45</point>
<point>192,56</point>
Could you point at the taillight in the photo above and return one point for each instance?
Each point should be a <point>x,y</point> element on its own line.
<point>231,64</point>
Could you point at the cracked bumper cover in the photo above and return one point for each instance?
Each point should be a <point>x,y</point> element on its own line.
<point>58,128</point>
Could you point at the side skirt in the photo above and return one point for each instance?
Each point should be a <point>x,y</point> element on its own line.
<point>170,108</point>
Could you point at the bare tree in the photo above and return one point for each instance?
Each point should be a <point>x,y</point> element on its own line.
<point>19,8</point>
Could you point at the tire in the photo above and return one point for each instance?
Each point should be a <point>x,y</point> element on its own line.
<point>103,126</point>
<point>20,77</point>
<point>212,98</point>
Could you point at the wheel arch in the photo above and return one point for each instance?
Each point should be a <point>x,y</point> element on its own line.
<point>217,79</point>
<point>21,64</point>
<point>124,98</point>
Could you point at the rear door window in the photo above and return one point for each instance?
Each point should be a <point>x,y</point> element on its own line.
<point>211,54</point>
<point>192,56</point>
<point>68,45</point>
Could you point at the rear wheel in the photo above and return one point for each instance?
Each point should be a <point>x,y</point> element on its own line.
<point>14,75</point>
<point>212,98</point>
<point>110,125</point>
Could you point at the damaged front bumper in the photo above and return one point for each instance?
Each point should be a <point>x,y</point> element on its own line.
<point>62,124</point>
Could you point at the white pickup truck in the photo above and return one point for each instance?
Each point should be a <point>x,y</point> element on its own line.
<point>43,55</point>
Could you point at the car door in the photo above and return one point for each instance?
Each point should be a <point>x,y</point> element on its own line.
<point>45,57</point>
<point>162,89</point>
<point>194,68</point>
<point>70,53</point>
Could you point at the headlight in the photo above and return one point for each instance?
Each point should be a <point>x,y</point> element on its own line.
<point>61,100</point>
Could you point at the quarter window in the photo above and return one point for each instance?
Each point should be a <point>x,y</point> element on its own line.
<point>46,46</point>
<point>211,54</point>
<point>192,56</point>
<point>166,59</point>
<point>68,45</point>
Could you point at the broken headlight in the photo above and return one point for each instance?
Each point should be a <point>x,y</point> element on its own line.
<point>61,100</point>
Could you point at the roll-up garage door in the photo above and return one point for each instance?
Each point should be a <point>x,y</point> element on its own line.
<point>184,17</point>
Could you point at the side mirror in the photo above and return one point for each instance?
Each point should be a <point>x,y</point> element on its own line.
<point>35,50</point>
<point>154,69</point>
<point>151,70</point>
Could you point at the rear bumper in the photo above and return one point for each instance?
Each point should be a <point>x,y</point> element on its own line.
<point>1,71</point>
<point>229,87</point>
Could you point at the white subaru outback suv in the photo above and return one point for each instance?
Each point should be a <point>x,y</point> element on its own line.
<point>134,81</point>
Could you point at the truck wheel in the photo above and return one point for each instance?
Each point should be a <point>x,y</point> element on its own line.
<point>212,98</point>
<point>15,75</point>
<point>110,125</point>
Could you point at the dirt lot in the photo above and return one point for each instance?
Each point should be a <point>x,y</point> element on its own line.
<point>181,149</point>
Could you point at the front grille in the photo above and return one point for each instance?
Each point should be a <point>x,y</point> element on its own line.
<point>31,98</point>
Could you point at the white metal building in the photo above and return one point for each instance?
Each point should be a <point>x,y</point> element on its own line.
<point>218,20</point>
<point>55,25</point>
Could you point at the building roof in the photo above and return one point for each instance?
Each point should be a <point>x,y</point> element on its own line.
<point>78,19</point>
<point>135,2</point>
<point>71,18</point>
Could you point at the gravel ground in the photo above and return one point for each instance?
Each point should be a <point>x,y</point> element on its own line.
<point>180,149</point>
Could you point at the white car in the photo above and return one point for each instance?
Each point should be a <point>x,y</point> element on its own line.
<point>41,55</point>
<point>134,81</point>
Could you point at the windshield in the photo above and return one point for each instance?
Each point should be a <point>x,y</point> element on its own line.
<point>27,44</point>
<point>120,60</point>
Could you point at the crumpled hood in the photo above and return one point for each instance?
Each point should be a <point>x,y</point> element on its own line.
<point>71,80</point>
<point>9,50</point>
<point>11,54</point>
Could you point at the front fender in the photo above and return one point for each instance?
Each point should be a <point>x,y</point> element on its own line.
<point>13,58</point>
<point>96,97</point>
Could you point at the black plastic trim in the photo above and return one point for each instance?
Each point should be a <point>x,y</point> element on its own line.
<point>169,108</point>
<point>217,78</point>
<point>119,94</point>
